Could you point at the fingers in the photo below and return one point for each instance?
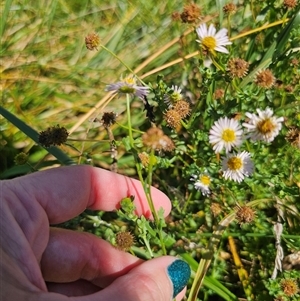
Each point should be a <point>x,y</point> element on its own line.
<point>65,192</point>
<point>71,256</point>
<point>159,279</point>
<point>80,264</point>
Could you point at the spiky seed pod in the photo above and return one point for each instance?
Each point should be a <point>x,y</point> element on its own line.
<point>124,241</point>
<point>245,215</point>
<point>55,135</point>
<point>264,79</point>
<point>92,41</point>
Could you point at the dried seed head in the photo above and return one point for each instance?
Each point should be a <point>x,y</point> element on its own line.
<point>173,118</point>
<point>293,136</point>
<point>157,140</point>
<point>92,41</point>
<point>216,209</point>
<point>182,107</point>
<point>265,79</point>
<point>124,241</point>
<point>55,135</point>
<point>229,8</point>
<point>108,119</point>
<point>294,62</point>
<point>21,159</point>
<point>144,157</point>
<point>289,287</point>
<point>191,13</point>
<point>219,93</point>
<point>237,67</point>
<point>245,215</point>
<point>290,3</point>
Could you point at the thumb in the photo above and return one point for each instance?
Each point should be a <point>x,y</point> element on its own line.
<point>159,279</point>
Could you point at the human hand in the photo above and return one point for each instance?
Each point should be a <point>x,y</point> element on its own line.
<point>42,263</point>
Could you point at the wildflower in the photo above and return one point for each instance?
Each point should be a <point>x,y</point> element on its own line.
<point>124,241</point>
<point>225,133</point>
<point>264,126</point>
<point>245,215</point>
<point>289,287</point>
<point>173,97</point>
<point>55,135</point>
<point>264,79</point>
<point>191,13</point>
<point>237,166</point>
<point>92,41</point>
<point>229,8</point>
<point>237,67</point>
<point>202,182</point>
<point>290,3</point>
<point>128,85</point>
<point>182,107</point>
<point>108,119</point>
<point>173,118</point>
<point>157,140</point>
<point>212,41</point>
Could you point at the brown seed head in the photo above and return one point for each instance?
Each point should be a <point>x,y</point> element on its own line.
<point>124,241</point>
<point>289,287</point>
<point>182,107</point>
<point>176,16</point>
<point>157,140</point>
<point>294,62</point>
<point>92,41</point>
<point>173,118</point>
<point>219,93</point>
<point>108,119</point>
<point>293,136</point>
<point>265,79</point>
<point>290,3</point>
<point>144,157</point>
<point>245,215</point>
<point>191,13</point>
<point>216,209</point>
<point>229,8</point>
<point>55,135</point>
<point>237,67</point>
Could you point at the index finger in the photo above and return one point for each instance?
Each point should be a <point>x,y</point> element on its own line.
<point>65,192</point>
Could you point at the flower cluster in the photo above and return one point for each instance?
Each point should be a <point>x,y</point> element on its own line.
<point>226,133</point>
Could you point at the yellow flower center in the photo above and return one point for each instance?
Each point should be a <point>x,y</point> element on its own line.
<point>129,80</point>
<point>228,135</point>
<point>266,126</point>
<point>204,180</point>
<point>234,163</point>
<point>209,43</point>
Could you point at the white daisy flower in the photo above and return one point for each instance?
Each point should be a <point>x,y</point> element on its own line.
<point>225,133</point>
<point>237,166</point>
<point>202,182</point>
<point>128,85</point>
<point>173,97</point>
<point>211,40</point>
<point>264,126</point>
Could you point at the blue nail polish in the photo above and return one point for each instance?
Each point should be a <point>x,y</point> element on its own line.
<point>179,273</point>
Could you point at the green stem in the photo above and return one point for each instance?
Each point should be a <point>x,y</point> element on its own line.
<point>123,63</point>
<point>129,121</point>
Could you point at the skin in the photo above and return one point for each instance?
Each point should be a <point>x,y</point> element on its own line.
<point>43,263</point>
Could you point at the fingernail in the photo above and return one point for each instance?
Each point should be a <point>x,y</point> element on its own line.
<point>179,272</point>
